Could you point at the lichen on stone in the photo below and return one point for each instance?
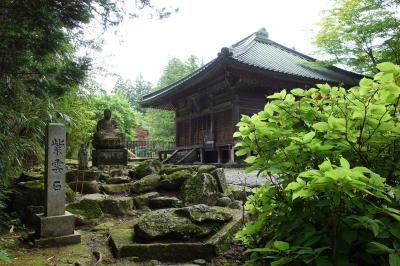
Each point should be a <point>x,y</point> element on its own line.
<point>175,179</point>
<point>88,209</point>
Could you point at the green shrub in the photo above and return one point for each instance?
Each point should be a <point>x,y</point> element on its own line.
<point>4,256</point>
<point>313,211</point>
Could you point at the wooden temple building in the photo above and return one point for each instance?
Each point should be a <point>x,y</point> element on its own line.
<point>209,102</point>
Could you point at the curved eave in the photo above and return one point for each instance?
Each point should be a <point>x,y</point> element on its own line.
<point>157,98</point>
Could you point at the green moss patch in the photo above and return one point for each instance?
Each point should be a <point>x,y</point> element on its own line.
<point>88,209</point>
<point>174,180</point>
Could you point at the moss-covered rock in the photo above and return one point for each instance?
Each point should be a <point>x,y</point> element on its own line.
<point>31,175</point>
<point>104,176</point>
<point>85,187</point>
<point>238,192</point>
<point>164,202</point>
<point>166,224</point>
<point>118,180</point>
<point>88,209</point>
<point>223,202</point>
<point>174,180</point>
<point>82,175</point>
<point>116,188</point>
<point>219,175</point>
<point>69,194</point>
<point>207,168</point>
<point>171,168</point>
<point>147,183</point>
<point>203,213</point>
<point>147,167</point>
<point>117,205</point>
<point>142,201</point>
<point>200,189</point>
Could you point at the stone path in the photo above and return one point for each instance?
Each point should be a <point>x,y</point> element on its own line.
<point>237,176</point>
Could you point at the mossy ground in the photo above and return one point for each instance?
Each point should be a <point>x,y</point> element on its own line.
<point>23,253</point>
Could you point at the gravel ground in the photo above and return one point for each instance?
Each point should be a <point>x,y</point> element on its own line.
<point>237,176</point>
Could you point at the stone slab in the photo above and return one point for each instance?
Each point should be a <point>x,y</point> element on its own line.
<point>74,238</point>
<point>109,157</point>
<point>55,168</point>
<point>54,226</point>
<point>122,245</point>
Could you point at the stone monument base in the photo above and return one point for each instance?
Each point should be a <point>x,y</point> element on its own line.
<point>109,157</point>
<point>55,230</point>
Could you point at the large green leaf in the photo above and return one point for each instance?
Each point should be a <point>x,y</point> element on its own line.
<point>378,248</point>
<point>394,260</point>
<point>281,245</point>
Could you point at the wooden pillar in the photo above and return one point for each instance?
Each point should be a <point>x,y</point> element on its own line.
<point>219,152</point>
<point>231,154</point>
<point>201,155</point>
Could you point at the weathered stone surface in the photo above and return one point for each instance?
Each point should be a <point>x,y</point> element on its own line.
<point>206,168</point>
<point>107,134</point>
<point>219,175</point>
<point>171,168</point>
<point>52,226</point>
<point>239,192</point>
<point>166,224</point>
<point>142,201</point>
<point>147,183</point>
<point>223,202</point>
<point>117,205</point>
<point>200,189</point>
<point>31,175</point>
<point>31,193</point>
<point>87,209</point>
<point>55,169</point>
<point>104,176</point>
<point>203,213</point>
<point>82,175</point>
<point>74,238</point>
<point>147,167</point>
<point>236,204</point>
<point>116,188</point>
<point>118,180</point>
<point>85,187</point>
<point>164,202</point>
<point>109,157</point>
<point>178,251</point>
<point>95,197</point>
<point>174,180</point>
<point>115,172</point>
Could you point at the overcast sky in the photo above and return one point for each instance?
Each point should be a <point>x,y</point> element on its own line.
<point>202,27</point>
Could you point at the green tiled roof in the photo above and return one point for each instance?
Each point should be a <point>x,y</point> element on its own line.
<point>257,50</point>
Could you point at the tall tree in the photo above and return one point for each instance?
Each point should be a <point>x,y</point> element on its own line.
<point>39,67</point>
<point>161,123</point>
<point>361,33</point>
<point>133,92</point>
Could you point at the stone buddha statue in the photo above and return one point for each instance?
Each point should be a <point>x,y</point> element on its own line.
<point>107,135</point>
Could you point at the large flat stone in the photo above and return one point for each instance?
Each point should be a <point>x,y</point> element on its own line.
<point>116,188</point>
<point>122,244</point>
<point>117,205</point>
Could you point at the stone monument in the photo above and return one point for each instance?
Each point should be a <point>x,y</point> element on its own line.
<point>55,226</point>
<point>109,143</point>
<point>83,157</point>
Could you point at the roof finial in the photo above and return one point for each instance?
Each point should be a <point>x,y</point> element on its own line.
<point>262,34</point>
<point>225,51</point>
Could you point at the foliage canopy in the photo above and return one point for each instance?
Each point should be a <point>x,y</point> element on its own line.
<point>332,157</point>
